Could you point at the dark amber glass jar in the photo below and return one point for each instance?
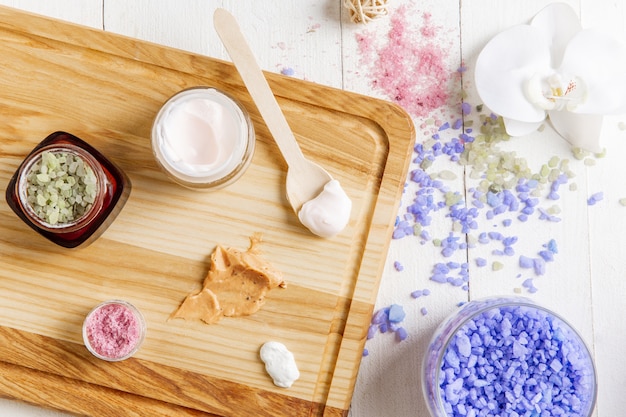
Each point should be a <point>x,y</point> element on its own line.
<point>111,184</point>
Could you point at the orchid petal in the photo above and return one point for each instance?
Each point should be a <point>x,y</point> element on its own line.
<point>600,61</point>
<point>503,68</point>
<point>580,130</point>
<point>518,128</point>
<point>557,23</point>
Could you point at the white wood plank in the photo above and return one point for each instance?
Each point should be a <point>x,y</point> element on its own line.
<point>607,234</point>
<point>84,12</point>
<point>289,35</point>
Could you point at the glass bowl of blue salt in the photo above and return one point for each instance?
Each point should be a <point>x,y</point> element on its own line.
<point>508,357</point>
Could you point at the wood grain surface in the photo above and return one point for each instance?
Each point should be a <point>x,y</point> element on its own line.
<point>107,89</point>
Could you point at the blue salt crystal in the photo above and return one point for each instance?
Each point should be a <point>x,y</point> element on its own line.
<point>426,292</point>
<point>398,234</point>
<point>396,313</point>
<point>380,316</point>
<point>500,209</point>
<point>463,345</point>
<point>417,294</point>
<point>596,197</point>
<point>546,255</point>
<point>552,246</point>
<point>479,383</point>
<point>457,282</point>
<point>525,262</point>
<point>466,108</point>
<point>494,199</point>
<point>371,331</point>
<point>556,365</point>
<point>507,222</point>
<point>539,265</point>
<point>532,202</point>
<point>401,334</point>
<point>447,252</point>
<point>398,266</point>
<point>444,126</point>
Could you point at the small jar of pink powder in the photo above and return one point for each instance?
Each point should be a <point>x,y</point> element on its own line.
<point>114,330</point>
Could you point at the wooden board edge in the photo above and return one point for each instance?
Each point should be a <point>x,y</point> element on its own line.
<point>30,354</point>
<point>55,392</point>
<point>401,136</point>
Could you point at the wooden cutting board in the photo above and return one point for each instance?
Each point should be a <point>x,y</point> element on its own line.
<point>107,89</point>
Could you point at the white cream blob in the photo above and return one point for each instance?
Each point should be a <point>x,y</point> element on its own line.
<point>280,364</point>
<point>329,212</point>
<point>201,135</point>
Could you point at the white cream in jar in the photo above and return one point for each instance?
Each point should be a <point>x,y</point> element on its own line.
<point>203,138</point>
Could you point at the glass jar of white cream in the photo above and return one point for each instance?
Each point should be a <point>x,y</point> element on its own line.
<point>203,138</point>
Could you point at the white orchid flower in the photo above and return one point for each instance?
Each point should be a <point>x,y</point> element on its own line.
<point>553,68</point>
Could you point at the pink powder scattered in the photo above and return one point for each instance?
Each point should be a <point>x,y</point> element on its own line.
<point>410,68</point>
<point>313,28</point>
<point>113,330</point>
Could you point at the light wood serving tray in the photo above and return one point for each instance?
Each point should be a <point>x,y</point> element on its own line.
<point>107,89</point>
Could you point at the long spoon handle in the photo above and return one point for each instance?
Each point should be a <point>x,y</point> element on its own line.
<point>235,43</point>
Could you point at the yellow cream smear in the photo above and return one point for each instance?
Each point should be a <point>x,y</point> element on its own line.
<point>236,285</point>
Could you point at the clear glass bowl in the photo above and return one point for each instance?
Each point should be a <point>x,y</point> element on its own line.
<point>114,330</point>
<point>203,138</point>
<point>113,188</point>
<point>507,355</point>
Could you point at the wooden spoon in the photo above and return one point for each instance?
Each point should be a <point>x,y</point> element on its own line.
<point>305,179</point>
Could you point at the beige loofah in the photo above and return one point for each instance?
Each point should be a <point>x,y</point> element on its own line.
<point>363,11</point>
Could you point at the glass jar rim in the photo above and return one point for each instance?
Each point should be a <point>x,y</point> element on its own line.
<point>21,187</point>
<point>135,311</point>
<point>226,173</point>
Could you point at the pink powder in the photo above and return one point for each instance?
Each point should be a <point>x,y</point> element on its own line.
<point>113,330</point>
<point>410,68</point>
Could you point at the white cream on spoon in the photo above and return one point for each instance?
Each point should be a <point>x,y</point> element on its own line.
<point>329,212</point>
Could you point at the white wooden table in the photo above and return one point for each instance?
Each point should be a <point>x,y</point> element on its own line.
<point>315,40</point>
